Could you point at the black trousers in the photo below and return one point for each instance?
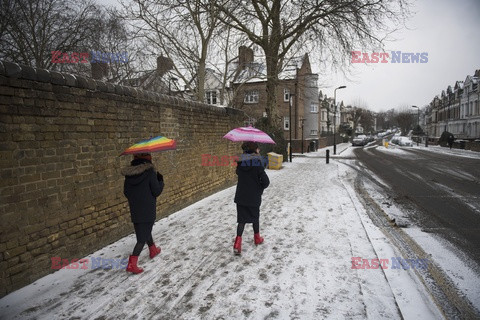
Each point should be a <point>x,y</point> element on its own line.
<point>143,232</point>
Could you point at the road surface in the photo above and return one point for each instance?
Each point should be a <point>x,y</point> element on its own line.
<point>443,188</point>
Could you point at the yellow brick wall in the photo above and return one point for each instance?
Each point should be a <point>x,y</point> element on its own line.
<point>60,140</point>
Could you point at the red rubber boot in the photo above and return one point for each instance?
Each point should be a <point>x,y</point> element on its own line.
<point>132,265</point>
<point>154,250</point>
<point>258,240</point>
<point>237,246</point>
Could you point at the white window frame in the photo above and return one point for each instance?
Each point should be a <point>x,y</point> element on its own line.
<point>211,97</point>
<point>313,132</point>
<point>251,96</point>
<point>286,95</point>
<point>313,107</point>
<point>286,123</point>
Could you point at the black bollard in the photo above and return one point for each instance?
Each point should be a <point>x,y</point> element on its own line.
<point>328,156</point>
<point>426,142</point>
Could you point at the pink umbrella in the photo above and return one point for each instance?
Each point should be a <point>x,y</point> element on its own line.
<point>248,134</point>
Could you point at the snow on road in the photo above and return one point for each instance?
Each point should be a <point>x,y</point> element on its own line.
<point>462,271</point>
<point>447,151</point>
<point>313,225</point>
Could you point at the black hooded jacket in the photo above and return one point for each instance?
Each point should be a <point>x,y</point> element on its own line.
<point>252,180</point>
<point>142,188</point>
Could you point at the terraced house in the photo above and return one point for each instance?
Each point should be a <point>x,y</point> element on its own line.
<point>456,110</point>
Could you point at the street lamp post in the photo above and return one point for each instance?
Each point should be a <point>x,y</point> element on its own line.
<point>418,121</point>
<point>290,128</point>
<point>335,117</point>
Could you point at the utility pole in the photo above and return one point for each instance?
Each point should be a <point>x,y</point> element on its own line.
<point>335,117</point>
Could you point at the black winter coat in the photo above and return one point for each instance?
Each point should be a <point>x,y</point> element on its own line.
<point>252,180</point>
<point>142,188</point>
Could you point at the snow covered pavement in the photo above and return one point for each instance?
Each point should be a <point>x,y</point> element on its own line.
<point>313,225</point>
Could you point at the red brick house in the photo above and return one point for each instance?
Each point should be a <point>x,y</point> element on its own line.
<point>249,94</point>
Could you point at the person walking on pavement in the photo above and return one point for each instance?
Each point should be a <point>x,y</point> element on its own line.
<point>142,187</point>
<point>252,180</point>
<point>450,140</point>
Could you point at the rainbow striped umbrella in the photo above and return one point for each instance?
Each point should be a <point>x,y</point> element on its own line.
<point>248,134</point>
<point>152,145</point>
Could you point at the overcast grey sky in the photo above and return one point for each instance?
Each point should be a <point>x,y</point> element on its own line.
<point>448,30</point>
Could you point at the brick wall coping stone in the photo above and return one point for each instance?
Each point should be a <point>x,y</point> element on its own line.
<point>15,70</point>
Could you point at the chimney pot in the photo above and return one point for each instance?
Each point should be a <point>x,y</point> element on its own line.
<point>164,65</point>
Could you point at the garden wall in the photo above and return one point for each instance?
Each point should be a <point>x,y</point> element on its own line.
<point>61,188</point>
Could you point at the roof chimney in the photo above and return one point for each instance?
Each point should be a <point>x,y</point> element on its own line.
<point>164,65</point>
<point>245,56</point>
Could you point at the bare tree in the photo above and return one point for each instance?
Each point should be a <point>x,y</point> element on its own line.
<point>367,120</point>
<point>325,104</point>
<point>31,29</point>
<point>38,33</point>
<point>113,36</point>
<point>225,44</point>
<point>181,30</point>
<point>355,114</point>
<point>382,120</point>
<point>405,120</point>
<point>337,25</point>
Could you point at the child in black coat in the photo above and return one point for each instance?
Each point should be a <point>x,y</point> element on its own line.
<point>252,180</point>
<point>142,187</point>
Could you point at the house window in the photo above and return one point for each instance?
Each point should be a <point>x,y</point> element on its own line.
<point>286,123</point>
<point>286,95</point>
<point>314,107</point>
<point>313,132</point>
<point>211,97</point>
<point>251,96</point>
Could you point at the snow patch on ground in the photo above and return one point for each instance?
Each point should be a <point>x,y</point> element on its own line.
<point>413,303</point>
<point>398,151</point>
<point>313,225</point>
<point>460,269</point>
<point>453,152</point>
<point>384,201</point>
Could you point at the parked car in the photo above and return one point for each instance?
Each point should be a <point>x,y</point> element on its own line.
<point>402,141</point>
<point>370,138</point>
<point>381,134</point>
<point>360,140</point>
